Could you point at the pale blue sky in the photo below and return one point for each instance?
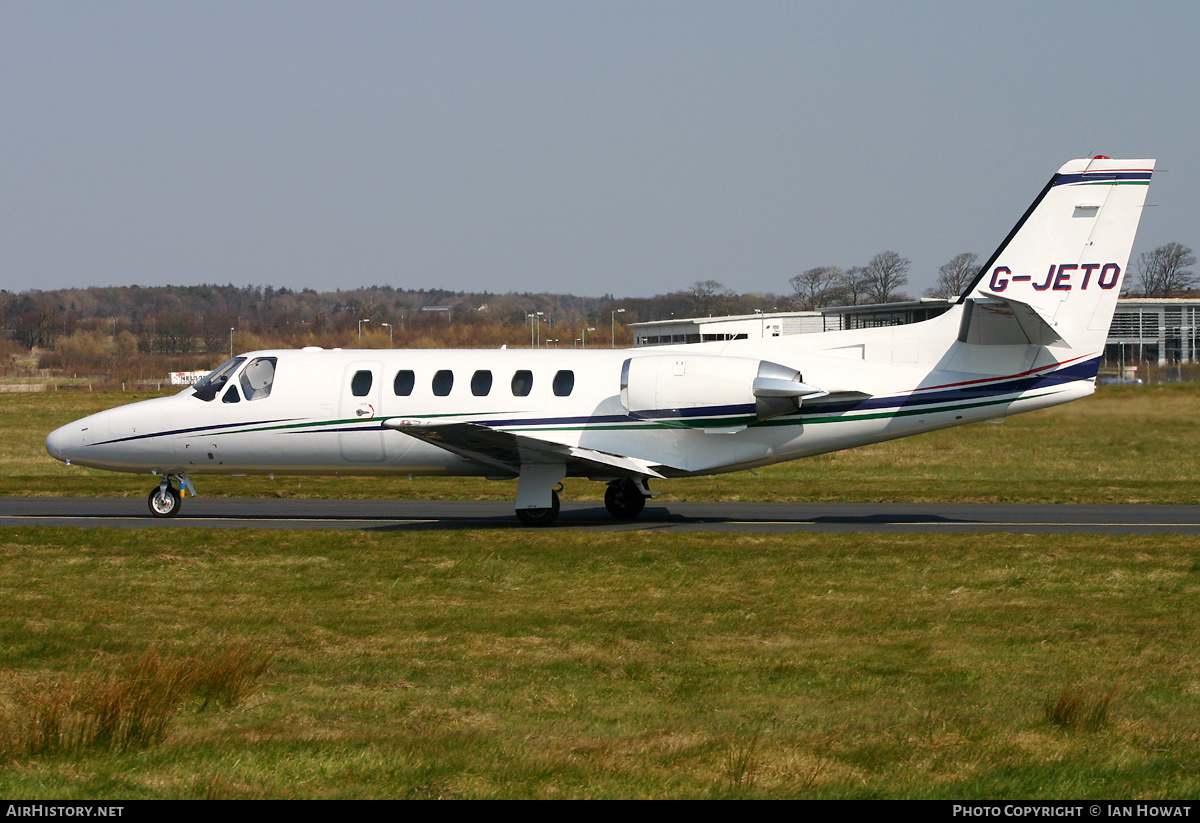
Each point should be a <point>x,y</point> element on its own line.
<point>623,147</point>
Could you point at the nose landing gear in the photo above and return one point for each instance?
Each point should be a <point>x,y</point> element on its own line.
<point>166,500</point>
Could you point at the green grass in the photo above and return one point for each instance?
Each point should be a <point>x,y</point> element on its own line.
<point>560,664</point>
<point>1123,445</point>
<point>530,664</point>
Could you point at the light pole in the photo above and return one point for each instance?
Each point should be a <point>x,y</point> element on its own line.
<point>762,323</point>
<point>360,322</point>
<point>231,343</point>
<point>584,333</point>
<point>389,328</point>
<point>613,322</point>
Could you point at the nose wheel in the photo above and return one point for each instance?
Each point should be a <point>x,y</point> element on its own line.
<point>165,501</point>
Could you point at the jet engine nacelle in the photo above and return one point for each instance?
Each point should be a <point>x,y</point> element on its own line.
<point>672,386</point>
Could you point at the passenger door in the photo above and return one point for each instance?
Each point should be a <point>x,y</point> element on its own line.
<point>361,437</point>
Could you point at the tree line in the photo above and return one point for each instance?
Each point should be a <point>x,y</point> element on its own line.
<point>131,331</point>
<point>1162,272</point>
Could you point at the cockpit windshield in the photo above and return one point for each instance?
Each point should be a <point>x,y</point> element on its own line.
<point>210,386</point>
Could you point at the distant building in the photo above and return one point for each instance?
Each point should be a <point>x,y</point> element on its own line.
<point>1154,330</point>
<point>777,324</point>
<point>1164,331</point>
<point>874,315</point>
<point>733,327</point>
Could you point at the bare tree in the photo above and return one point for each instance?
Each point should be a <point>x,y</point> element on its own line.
<point>955,276</point>
<point>854,286</point>
<point>707,294</point>
<point>1164,271</point>
<point>885,274</point>
<point>816,287</point>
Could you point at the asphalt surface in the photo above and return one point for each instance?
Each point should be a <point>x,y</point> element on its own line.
<point>217,513</point>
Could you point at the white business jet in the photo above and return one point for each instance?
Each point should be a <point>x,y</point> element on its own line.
<point>1028,333</point>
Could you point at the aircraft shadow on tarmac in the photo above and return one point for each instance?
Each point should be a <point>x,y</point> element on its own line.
<point>653,517</point>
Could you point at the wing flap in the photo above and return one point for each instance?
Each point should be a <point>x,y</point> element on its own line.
<point>508,451</point>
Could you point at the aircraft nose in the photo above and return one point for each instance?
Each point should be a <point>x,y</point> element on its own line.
<point>58,443</point>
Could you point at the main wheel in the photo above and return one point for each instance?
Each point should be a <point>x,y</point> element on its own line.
<point>623,499</point>
<point>540,517</point>
<point>165,502</point>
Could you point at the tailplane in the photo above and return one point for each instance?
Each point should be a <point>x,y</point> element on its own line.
<point>1055,280</point>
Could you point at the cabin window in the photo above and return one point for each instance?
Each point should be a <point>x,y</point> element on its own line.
<point>564,382</point>
<point>360,384</point>
<point>211,386</point>
<point>481,383</point>
<point>522,383</point>
<point>443,382</point>
<point>404,382</point>
<point>232,396</point>
<point>258,377</point>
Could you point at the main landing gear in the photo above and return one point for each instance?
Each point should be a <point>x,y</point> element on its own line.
<point>540,517</point>
<point>624,499</point>
<point>166,500</point>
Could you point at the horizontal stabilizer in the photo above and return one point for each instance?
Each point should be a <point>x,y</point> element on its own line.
<point>507,451</point>
<point>1004,321</point>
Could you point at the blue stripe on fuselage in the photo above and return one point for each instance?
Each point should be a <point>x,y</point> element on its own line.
<point>1103,177</point>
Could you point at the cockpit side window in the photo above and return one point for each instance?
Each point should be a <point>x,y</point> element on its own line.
<point>232,396</point>
<point>211,386</point>
<point>258,377</point>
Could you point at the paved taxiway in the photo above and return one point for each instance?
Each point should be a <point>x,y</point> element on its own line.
<point>735,517</point>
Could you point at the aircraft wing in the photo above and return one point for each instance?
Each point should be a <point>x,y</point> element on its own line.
<point>507,451</point>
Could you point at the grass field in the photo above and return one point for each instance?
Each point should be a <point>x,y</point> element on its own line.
<point>517,664</point>
<point>512,663</point>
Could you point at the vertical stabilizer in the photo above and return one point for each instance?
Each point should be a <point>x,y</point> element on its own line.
<point>1061,269</point>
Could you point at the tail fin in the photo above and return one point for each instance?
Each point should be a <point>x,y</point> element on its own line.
<point>1056,278</point>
